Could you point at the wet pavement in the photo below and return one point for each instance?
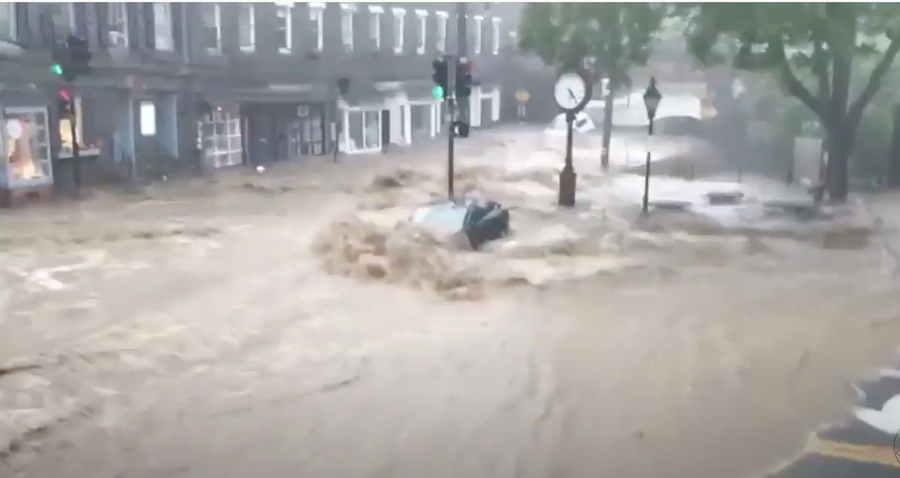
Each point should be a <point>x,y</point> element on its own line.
<point>286,324</point>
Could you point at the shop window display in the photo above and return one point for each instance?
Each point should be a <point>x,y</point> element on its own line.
<point>27,147</point>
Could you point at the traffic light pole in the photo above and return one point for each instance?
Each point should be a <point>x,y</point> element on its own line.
<point>76,153</point>
<point>451,130</point>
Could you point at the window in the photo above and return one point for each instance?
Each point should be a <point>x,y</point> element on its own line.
<point>212,27</point>
<point>63,17</point>
<point>118,25</point>
<point>478,21</point>
<point>221,132</point>
<point>8,21</point>
<point>27,145</point>
<point>495,35</point>
<point>421,30</point>
<point>399,13</point>
<point>247,27</point>
<point>442,31</point>
<point>283,26</point>
<point>162,24</point>
<point>65,133</point>
<point>375,12</point>
<point>347,12</point>
<point>317,18</point>
<point>148,118</point>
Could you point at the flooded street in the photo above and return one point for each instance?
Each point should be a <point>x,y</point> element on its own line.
<point>293,324</point>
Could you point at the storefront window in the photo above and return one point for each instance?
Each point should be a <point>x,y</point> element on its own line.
<point>27,146</point>
<point>221,132</point>
<point>373,134</point>
<point>356,129</point>
<point>86,147</point>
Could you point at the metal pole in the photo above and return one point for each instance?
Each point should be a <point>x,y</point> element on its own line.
<point>567,176</point>
<point>451,123</point>
<point>76,161</point>
<point>646,205</point>
<point>462,50</point>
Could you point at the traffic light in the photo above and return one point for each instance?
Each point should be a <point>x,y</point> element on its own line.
<point>64,102</point>
<point>71,59</point>
<point>440,78</point>
<point>463,78</point>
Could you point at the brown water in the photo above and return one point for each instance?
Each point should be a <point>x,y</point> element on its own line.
<point>300,327</point>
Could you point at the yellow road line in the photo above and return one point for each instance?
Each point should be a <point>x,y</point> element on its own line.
<point>881,455</point>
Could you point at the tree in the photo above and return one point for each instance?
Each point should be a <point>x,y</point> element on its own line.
<point>607,38</point>
<point>811,48</point>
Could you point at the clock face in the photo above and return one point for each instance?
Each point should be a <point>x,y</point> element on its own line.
<point>570,91</point>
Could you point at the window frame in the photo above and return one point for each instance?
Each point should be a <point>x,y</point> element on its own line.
<point>317,14</point>
<point>168,43</point>
<point>421,31</point>
<point>443,18</point>
<point>479,34</point>
<point>495,35</point>
<point>288,7</point>
<point>252,23</point>
<point>43,144</point>
<point>348,11</point>
<point>375,12</point>
<point>112,22</point>
<point>217,19</point>
<point>399,15</point>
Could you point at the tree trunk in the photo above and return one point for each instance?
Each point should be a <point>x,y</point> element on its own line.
<point>837,171</point>
<point>607,129</point>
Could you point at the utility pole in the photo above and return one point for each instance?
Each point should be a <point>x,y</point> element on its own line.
<point>462,51</point>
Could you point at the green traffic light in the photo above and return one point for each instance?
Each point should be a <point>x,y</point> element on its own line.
<point>437,92</point>
<point>56,68</point>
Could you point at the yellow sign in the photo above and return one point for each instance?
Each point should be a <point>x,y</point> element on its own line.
<point>522,96</point>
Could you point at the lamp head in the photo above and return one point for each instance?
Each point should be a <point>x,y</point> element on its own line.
<point>652,97</point>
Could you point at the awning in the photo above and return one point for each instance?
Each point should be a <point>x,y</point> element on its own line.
<point>281,94</point>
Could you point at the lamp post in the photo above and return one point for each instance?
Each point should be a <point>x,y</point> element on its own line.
<point>652,97</point>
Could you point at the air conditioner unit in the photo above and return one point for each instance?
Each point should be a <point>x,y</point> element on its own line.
<point>117,39</point>
<point>302,111</point>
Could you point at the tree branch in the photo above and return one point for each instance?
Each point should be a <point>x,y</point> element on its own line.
<point>794,85</point>
<point>854,113</point>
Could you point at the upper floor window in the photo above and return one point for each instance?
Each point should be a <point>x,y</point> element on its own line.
<point>8,21</point>
<point>375,12</point>
<point>283,26</point>
<point>347,12</point>
<point>118,24</point>
<point>442,18</point>
<point>317,19</point>
<point>162,26</point>
<point>212,27</point>
<point>63,17</point>
<point>399,14</point>
<point>495,35</point>
<point>478,21</point>
<point>247,27</point>
<point>421,30</point>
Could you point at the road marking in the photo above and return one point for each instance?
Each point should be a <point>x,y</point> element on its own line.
<point>881,455</point>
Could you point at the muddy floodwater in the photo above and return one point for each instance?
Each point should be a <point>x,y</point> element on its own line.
<point>293,323</point>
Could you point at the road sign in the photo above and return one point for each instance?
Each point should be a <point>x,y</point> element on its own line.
<point>522,96</point>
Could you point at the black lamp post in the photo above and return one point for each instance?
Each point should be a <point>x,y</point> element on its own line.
<point>652,97</point>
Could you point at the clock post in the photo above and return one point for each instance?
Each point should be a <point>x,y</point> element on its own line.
<point>572,92</point>
<point>567,177</point>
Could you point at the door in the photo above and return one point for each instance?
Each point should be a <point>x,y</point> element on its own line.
<point>261,138</point>
<point>385,130</point>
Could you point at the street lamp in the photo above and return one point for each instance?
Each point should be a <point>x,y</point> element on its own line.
<point>652,97</point>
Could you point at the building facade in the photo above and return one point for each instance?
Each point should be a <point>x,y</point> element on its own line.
<point>211,85</point>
